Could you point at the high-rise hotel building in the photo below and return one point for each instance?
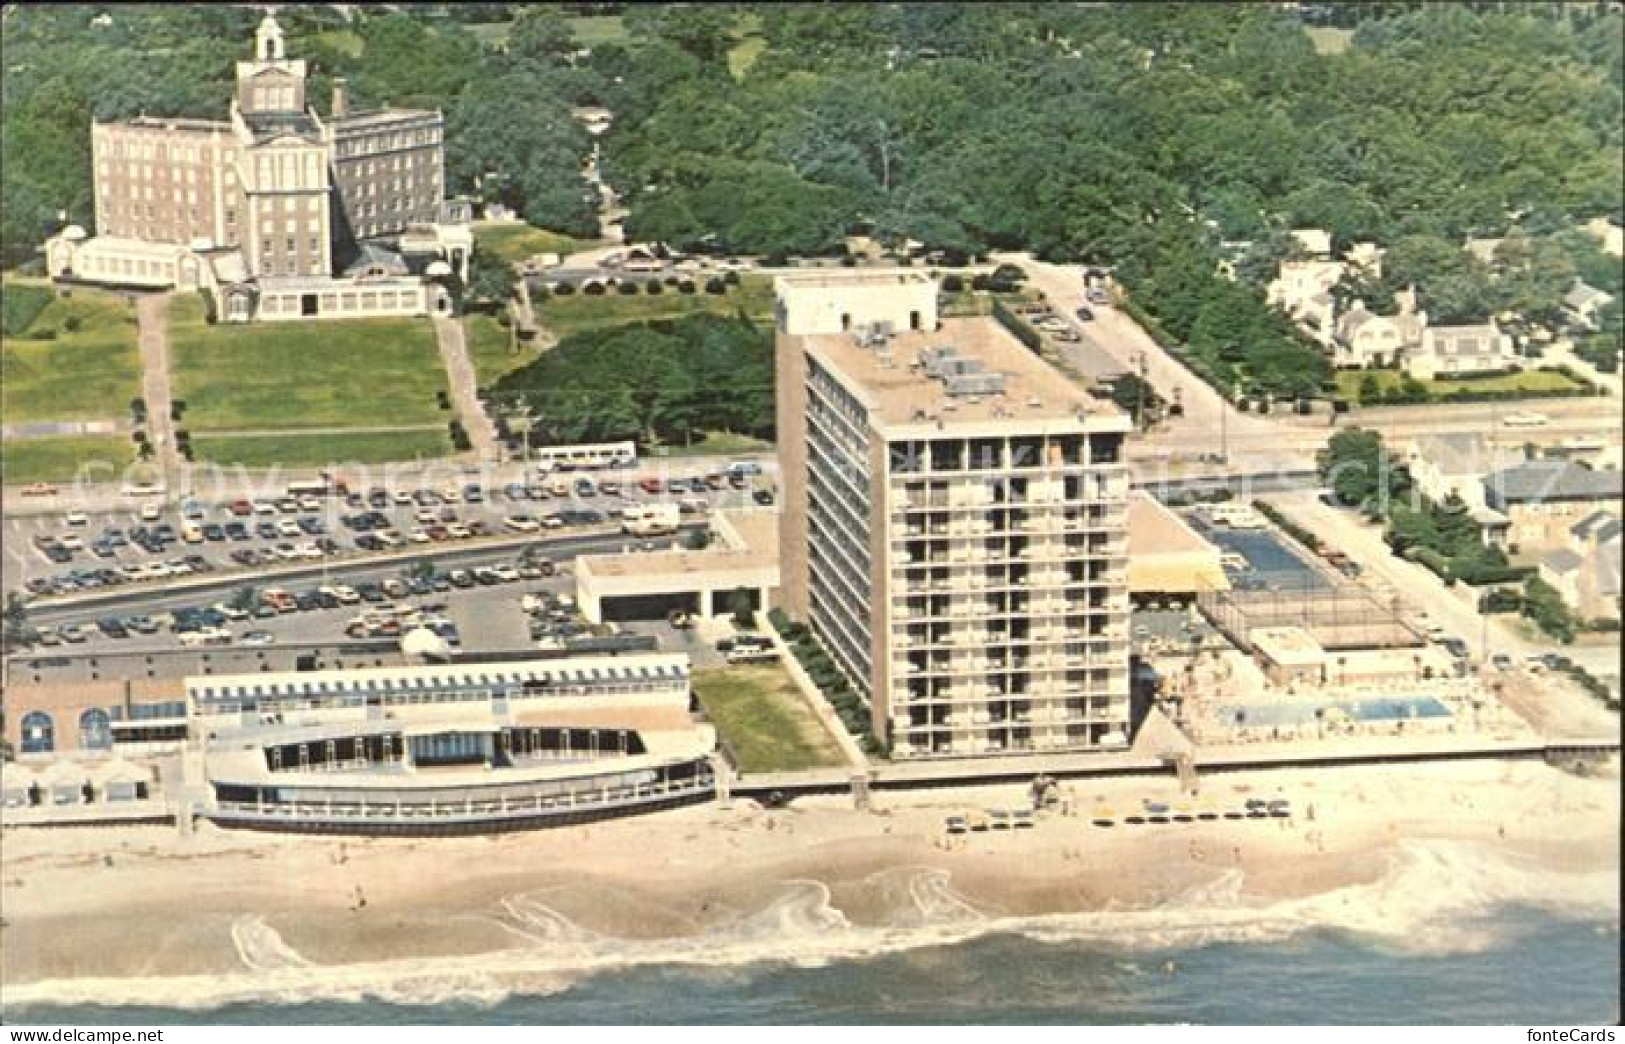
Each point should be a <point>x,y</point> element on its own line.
<point>953,521</point>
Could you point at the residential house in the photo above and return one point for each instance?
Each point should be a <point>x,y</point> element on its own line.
<point>1302,289</point>
<point>1448,351</point>
<point>1587,572</point>
<point>1609,232</point>
<point>1442,466</point>
<point>1583,302</point>
<point>1543,499</point>
<point>1364,338</point>
<point>1316,242</point>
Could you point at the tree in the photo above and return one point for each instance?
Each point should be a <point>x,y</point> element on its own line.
<point>541,34</point>
<point>17,630</point>
<point>491,280</point>
<point>246,598</point>
<point>739,605</point>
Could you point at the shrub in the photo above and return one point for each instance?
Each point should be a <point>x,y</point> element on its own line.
<point>459,436</point>
<point>776,259</point>
<point>72,324</point>
<point>731,278</point>
<point>565,288</point>
<point>653,287</point>
<point>686,287</point>
<point>627,289</point>
<point>952,283</point>
<point>594,290</point>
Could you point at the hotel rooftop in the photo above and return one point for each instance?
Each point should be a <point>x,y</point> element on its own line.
<point>967,371</point>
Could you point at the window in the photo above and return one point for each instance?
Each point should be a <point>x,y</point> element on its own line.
<point>39,733</point>
<point>95,730</point>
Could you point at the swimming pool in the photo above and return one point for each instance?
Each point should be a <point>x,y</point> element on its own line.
<point>1390,709</point>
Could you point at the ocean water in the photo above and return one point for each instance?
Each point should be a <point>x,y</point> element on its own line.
<point>1449,935</point>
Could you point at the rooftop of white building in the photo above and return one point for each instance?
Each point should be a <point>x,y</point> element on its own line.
<point>892,381</point>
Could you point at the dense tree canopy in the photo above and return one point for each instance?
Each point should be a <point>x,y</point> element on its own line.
<point>1142,136</point>
<point>658,383</point>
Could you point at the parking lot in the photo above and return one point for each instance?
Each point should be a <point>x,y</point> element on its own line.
<point>63,554</point>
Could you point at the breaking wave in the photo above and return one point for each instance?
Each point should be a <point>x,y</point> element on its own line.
<point>1434,898</point>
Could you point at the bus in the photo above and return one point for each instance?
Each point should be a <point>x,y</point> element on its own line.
<point>585,457</point>
<point>310,488</point>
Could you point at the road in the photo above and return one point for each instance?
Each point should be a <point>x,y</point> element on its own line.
<point>1485,635</point>
<point>1282,441</point>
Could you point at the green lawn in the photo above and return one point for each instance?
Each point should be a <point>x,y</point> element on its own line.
<point>715,443</point>
<point>515,241</point>
<point>60,459</point>
<point>593,30</point>
<point>91,373</point>
<point>564,316</point>
<point>345,41</point>
<point>743,54</point>
<point>1329,40</point>
<point>489,349</point>
<point>289,375</point>
<point>294,450</point>
<point>763,717</point>
<point>1532,382</point>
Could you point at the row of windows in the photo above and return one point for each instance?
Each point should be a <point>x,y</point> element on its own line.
<point>39,731</point>
<point>385,142</point>
<point>148,150</point>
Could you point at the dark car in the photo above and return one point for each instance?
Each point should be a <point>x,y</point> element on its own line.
<point>327,600</point>
<point>312,526</point>
<point>370,592</point>
<point>113,628</point>
<point>473,494</point>
<point>266,531</point>
<point>237,531</point>
<point>308,600</point>
<point>214,532</point>
<point>1085,314</point>
<point>212,617</point>
<point>763,496</point>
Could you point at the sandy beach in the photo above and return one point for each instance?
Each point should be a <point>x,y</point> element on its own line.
<point>145,913</point>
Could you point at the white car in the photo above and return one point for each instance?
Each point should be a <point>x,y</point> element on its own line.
<point>403,498</point>
<point>427,517</point>
<point>289,528</point>
<point>71,541</point>
<point>78,518</point>
<point>264,507</point>
<point>256,638</point>
<point>230,612</point>
<point>150,512</point>
<point>1525,420</point>
<point>346,594</point>
<point>309,503</point>
<point>522,524</point>
<point>419,535</point>
<point>505,573</point>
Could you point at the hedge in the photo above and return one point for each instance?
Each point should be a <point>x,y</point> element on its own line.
<point>1018,327</point>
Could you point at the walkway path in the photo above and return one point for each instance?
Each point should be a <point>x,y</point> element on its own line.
<point>465,387</point>
<point>52,429</point>
<point>151,311</point>
<point>384,429</point>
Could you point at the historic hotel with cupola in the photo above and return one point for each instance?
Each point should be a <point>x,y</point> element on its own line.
<point>278,212</point>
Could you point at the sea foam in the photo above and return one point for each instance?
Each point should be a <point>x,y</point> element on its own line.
<point>1434,897</point>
